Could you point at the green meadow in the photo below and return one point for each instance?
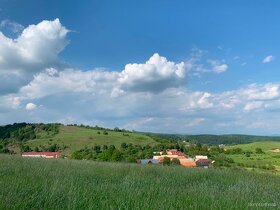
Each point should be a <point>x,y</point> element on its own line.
<point>31,183</point>
<point>266,158</point>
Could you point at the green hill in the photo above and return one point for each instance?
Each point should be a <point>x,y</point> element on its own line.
<point>28,183</point>
<point>68,138</point>
<point>75,138</point>
<point>266,146</point>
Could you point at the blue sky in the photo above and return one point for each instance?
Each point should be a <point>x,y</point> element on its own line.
<point>184,67</point>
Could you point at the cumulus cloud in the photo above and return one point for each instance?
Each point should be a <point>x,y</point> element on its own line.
<point>30,106</point>
<point>268,59</point>
<point>155,75</point>
<point>35,49</point>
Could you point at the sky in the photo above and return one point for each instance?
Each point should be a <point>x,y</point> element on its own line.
<point>186,67</point>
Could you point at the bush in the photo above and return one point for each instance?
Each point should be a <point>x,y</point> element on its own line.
<point>175,161</point>
<point>166,161</point>
<point>259,150</point>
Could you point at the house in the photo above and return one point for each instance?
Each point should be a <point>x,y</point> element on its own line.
<point>203,162</point>
<point>41,154</point>
<point>187,162</point>
<point>198,157</point>
<point>148,161</point>
<point>172,154</point>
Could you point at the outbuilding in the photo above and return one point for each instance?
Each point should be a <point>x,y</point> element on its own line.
<point>41,154</point>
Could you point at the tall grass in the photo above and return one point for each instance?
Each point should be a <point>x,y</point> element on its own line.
<point>69,184</point>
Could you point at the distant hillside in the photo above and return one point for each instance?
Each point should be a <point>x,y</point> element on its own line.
<point>229,139</point>
<point>246,155</point>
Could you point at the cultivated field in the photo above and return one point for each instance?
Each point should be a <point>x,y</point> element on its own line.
<point>69,184</point>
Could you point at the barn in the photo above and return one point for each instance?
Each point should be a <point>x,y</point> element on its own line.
<point>41,154</point>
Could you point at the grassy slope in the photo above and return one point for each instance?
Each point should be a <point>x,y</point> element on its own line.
<point>76,138</point>
<point>267,158</point>
<point>68,184</point>
<point>265,145</point>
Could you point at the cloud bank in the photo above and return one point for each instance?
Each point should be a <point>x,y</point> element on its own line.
<point>152,95</point>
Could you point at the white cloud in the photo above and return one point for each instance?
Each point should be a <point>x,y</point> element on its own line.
<point>268,59</point>
<point>155,75</point>
<point>30,106</point>
<point>217,66</point>
<point>253,105</point>
<point>36,48</point>
<point>267,91</point>
<point>220,68</point>
<point>11,25</point>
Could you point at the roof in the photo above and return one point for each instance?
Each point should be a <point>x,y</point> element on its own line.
<point>186,160</point>
<point>201,157</point>
<point>162,156</point>
<point>188,164</point>
<point>146,161</point>
<point>175,152</point>
<point>42,153</point>
<point>203,161</point>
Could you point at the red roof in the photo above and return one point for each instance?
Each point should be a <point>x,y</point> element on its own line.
<point>175,152</point>
<point>42,153</point>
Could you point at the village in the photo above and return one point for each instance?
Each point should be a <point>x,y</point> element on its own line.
<point>160,158</point>
<point>175,155</point>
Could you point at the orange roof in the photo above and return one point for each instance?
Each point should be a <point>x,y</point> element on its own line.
<point>175,152</point>
<point>188,164</point>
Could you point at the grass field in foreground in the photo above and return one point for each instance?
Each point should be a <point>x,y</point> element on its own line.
<point>75,138</point>
<point>69,184</point>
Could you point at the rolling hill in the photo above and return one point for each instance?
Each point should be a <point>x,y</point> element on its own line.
<point>75,138</point>
<point>72,138</point>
